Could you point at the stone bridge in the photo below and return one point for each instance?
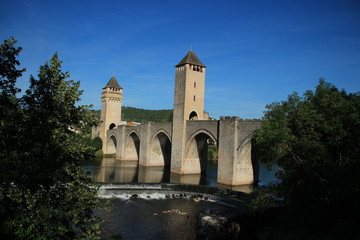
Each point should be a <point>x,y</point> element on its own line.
<point>151,145</point>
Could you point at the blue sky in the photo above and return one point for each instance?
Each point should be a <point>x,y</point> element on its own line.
<point>256,52</point>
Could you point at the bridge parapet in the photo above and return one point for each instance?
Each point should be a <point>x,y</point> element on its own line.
<point>222,118</point>
<point>209,127</point>
<point>129,129</point>
<point>161,126</point>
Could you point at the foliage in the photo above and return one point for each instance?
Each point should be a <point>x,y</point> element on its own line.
<point>8,63</point>
<point>44,192</point>
<point>260,199</point>
<point>94,143</point>
<point>10,112</point>
<point>212,152</point>
<point>63,211</point>
<point>315,142</point>
<point>144,115</point>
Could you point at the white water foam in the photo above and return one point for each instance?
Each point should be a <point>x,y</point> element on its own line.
<point>130,195</point>
<point>131,186</point>
<point>127,195</point>
<point>154,192</point>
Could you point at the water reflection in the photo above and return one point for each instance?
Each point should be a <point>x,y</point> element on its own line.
<point>111,170</point>
<point>155,219</point>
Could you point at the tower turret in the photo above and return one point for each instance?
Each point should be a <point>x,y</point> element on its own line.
<point>189,88</point>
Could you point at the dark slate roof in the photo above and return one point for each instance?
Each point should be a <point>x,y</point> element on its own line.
<point>190,58</point>
<point>113,84</point>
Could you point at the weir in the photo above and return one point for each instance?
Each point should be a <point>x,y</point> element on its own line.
<point>168,191</point>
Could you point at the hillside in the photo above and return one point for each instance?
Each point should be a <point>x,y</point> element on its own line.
<point>142,115</point>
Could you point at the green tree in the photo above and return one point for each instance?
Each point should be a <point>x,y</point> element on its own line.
<point>11,116</point>
<point>8,63</point>
<point>46,194</point>
<point>315,142</point>
<point>49,105</point>
<point>10,112</point>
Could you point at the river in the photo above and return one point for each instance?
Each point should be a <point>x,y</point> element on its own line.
<point>154,216</point>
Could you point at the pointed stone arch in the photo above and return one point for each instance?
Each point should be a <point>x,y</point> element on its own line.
<point>243,165</point>
<point>111,144</point>
<point>195,161</point>
<point>132,146</point>
<point>160,149</point>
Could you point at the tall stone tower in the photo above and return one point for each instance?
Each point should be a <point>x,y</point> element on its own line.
<point>188,103</point>
<point>111,100</point>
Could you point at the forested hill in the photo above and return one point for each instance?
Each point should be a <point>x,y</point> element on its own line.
<point>143,115</point>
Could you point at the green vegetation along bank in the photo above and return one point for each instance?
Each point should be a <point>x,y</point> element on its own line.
<point>314,140</point>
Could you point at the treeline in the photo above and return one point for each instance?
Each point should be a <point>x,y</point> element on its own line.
<point>142,115</point>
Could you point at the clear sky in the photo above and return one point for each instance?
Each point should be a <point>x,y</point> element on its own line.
<point>256,52</point>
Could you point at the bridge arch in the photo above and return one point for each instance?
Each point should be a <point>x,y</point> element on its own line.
<point>132,146</point>
<point>160,149</point>
<point>203,131</point>
<point>244,150</point>
<point>111,144</point>
<point>244,162</point>
<point>196,155</point>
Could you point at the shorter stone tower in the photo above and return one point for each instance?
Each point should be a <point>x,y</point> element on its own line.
<point>111,100</point>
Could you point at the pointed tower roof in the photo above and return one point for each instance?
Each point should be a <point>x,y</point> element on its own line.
<point>190,58</point>
<point>113,84</point>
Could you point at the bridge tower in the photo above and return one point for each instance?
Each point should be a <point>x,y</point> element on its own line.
<point>188,104</point>
<point>111,100</point>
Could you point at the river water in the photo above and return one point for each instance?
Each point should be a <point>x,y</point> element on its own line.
<point>111,170</point>
<point>152,214</point>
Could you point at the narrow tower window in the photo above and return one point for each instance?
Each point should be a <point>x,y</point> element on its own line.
<point>194,84</point>
<point>194,98</point>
